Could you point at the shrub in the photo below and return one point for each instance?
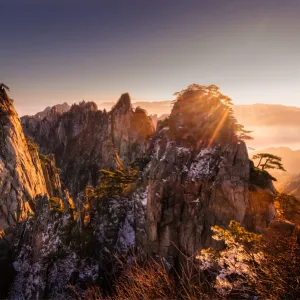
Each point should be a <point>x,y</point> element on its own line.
<point>56,204</point>
<point>153,279</point>
<point>32,146</point>
<point>254,266</point>
<point>44,158</point>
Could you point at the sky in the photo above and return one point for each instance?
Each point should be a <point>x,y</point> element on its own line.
<point>53,51</point>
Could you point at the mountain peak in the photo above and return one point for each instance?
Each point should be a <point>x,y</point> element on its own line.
<point>84,107</point>
<point>124,103</point>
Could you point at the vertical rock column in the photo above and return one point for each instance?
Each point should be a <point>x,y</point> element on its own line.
<point>21,175</point>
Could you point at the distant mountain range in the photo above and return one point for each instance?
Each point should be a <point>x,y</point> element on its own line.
<point>290,158</point>
<point>272,125</point>
<point>267,115</point>
<point>153,108</point>
<point>291,186</point>
<point>60,107</point>
<point>251,115</point>
<point>274,128</point>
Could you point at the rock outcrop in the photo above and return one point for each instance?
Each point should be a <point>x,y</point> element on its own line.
<point>26,177</point>
<point>195,169</point>
<point>21,175</point>
<point>62,108</point>
<point>199,176</point>
<point>193,173</point>
<point>54,249</point>
<point>74,242</point>
<point>85,140</point>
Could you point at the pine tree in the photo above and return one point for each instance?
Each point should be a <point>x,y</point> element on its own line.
<point>268,161</point>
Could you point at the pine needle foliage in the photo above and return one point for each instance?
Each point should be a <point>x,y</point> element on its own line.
<point>203,113</point>
<point>268,161</point>
<point>115,182</point>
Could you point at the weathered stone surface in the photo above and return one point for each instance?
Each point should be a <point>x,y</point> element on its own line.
<point>21,175</point>
<point>197,183</point>
<point>67,241</point>
<point>85,140</point>
<point>51,176</point>
<point>54,249</point>
<point>193,173</point>
<point>188,193</point>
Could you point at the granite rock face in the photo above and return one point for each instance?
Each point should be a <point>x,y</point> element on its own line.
<point>196,182</point>
<point>193,173</point>
<point>66,242</point>
<point>190,192</point>
<point>53,249</point>
<point>85,140</point>
<point>21,174</point>
<point>196,176</point>
<point>25,178</point>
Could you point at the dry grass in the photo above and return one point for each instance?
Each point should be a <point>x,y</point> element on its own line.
<point>279,273</point>
<point>153,280</point>
<point>275,275</point>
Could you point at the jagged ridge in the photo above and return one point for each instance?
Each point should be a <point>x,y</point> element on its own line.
<point>188,181</point>
<point>85,140</point>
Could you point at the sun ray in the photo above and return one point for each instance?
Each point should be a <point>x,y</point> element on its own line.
<point>219,126</point>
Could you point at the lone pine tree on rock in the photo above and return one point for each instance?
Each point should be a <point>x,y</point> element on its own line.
<point>268,161</point>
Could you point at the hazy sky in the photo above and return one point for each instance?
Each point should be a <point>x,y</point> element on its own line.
<point>53,51</point>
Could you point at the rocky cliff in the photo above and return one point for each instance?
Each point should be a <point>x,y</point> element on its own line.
<point>85,139</point>
<point>74,242</point>
<point>191,173</point>
<point>62,108</point>
<point>200,176</point>
<point>21,175</point>
<point>25,178</point>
